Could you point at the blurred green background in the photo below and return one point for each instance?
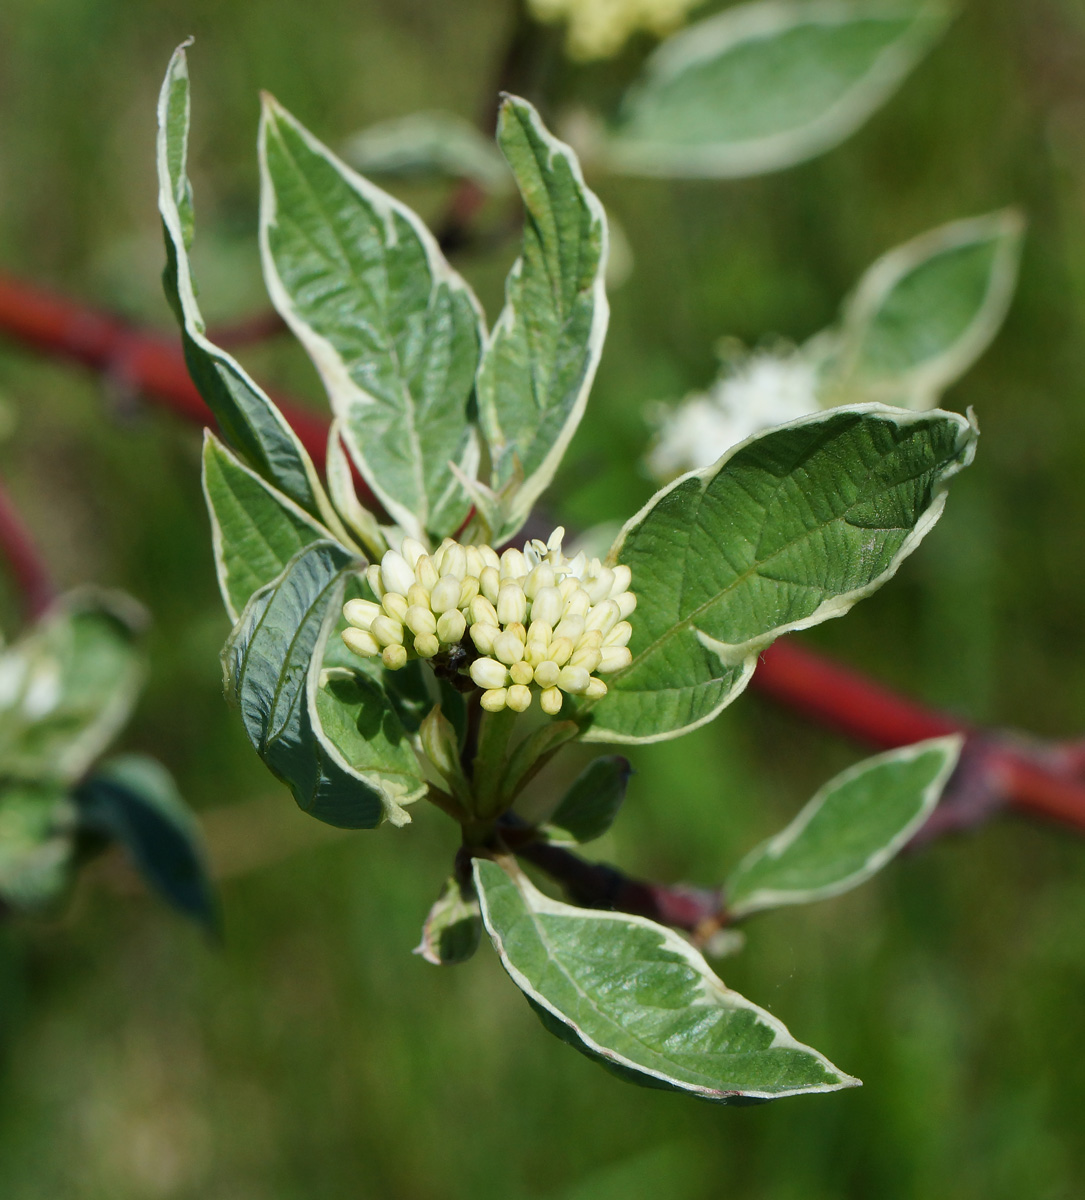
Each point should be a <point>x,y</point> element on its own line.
<point>310,1055</point>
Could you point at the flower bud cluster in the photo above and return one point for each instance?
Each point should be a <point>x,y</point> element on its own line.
<point>537,621</point>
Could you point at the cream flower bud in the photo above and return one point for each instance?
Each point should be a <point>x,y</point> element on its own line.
<point>468,591</point>
<point>511,604</point>
<point>626,602</point>
<point>454,561</point>
<point>487,673</point>
<point>361,612</point>
<point>426,645</point>
<point>546,674</point>
<point>541,576</point>
<point>597,689</point>
<point>614,658</point>
<point>598,589</point>
<point>396,575</point>
<point>577,604</point>
<point>394,657</point>
<point>574,680</point>
<point>587,657</point>
<point>420,620</point>
<point>451,626</point>
<point>551,701</point>
<point>412,551</point>
<point>571,628</point>
<point>483,636</point>
<point>508,647</point>
<point>518,698</point>
<point>387,631</point>
<point>426,572</point>
<point>623,577</point>
<point>475,561</point>
<point>603,617</point>
<point>489,584</point>
<point>560,649</point>
<point>619,635</point>
<point>395,605</point>
<point>417,594</point>
<point>361,642</point>
<point>490,557</point>
<point>373,576</point>
<point>446,594</point>
<point>483,612</point>
<point>513,564</point>
<point>547,606</point>
<point>494,699</point>
<point>521,672</point>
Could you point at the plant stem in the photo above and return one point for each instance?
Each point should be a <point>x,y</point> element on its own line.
<point>31,575</point>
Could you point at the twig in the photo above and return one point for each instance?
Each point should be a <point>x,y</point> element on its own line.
<point>31,575</point>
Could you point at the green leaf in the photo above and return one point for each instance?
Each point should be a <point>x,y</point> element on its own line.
<point>764,86</point>
<point>540,360</point>
<point>37,825</point>
<point>428,144</point>
<point>640,1000</point>
<point>851,828</point>
<point>924,312</point>
<point>68,686</point>
<point>340,749</point>
<point>453,927</point>
<point>787,530</point>
<point>392,329</point>
<point>249,420</point>
<point>589,807</point>
<point>134,799</point>
<point>255,529</point>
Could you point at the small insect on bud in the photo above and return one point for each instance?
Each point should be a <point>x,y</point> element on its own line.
<point>494,700</point>
<point>488,673</point>
<point>361,642</point>
<point>396,575</point>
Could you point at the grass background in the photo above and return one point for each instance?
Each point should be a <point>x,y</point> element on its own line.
<point>310,1057</point>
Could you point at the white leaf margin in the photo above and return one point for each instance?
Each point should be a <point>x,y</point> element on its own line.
<point>715,992</point>
<point>745,654</point>
<point>714,36</point>
<point>764,898</point>
<point>343,392</point>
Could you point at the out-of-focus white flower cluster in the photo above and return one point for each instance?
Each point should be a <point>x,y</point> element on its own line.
<point>760,391</point>
<point>600,28</point>
<point>538,621</point>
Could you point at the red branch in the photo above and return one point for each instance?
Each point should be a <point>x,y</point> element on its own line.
<point>31,575</point>
<point>997,769</point>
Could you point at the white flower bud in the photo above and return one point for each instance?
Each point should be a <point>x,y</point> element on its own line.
<point>361,642</point>
<point>489,583</point>
<point>626,602</point>
<point>420,620</point>
<point>597,689</point>
<point>483,612</point>
<point>446,594</point>
<point>475,561</point>
<point>451,626</point>
<point>387,631</point>
<point>489,557</point>
<point>511,604</point>
<point>361,612</point>
<point>619,635</point>
<point>395,605</point>
<point>494,700</point>
<point>518,698</point>
<point>513,564</point>
<point>508,647</point>
<point>417,594</point>
<point>373,576</point>
<point>426,645</point>
<point>547,606</point>
<point>521,672</point>
<point>554,541</point>
<point>426,572</point>
<point>483,636</point>
<point>455,561</point>
<point>551,701</point>
<point>623,577</point>
<point>577,604</point>
<point>579,565</point>
<point>394,657</point>
<point>487,673</point>
<point>412,551</point>
<point>540,577</point>
<point>468,591</point>
<point>571,628</point>
<point>546,674</point>
<point>560,649</point>
<point>574,680</point>
<point>599,588</point>
<point>587,657</point>
<point>396,575</point>
<point>603,617</point>
<point>614,658</point>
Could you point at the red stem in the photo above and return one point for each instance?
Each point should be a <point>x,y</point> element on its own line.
<point>31,575</point>
<point>1034,782</point>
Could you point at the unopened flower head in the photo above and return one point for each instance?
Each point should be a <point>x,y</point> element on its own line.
<point>600,28</point>
<point>525,622</point>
